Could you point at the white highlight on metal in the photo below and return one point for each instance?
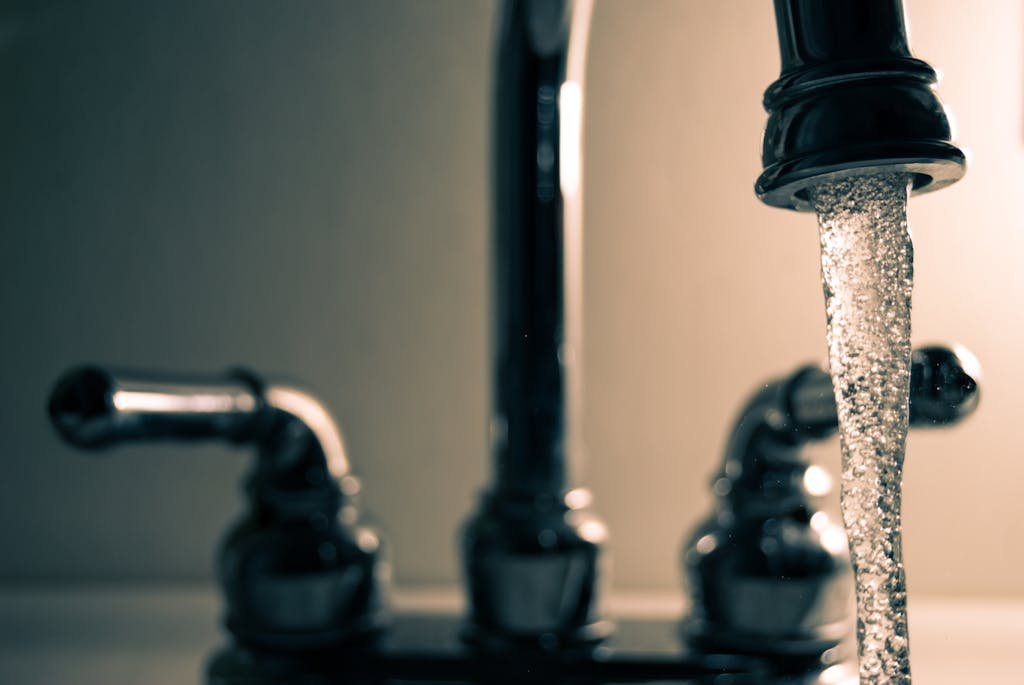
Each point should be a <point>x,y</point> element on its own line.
<point>161,402</point>
<point>570,107</point>
<point>570,136</point>
<point>817,481</point>
<point>309,411</point>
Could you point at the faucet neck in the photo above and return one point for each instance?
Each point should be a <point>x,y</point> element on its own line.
<point>812,32</point>
<point>537,249</point>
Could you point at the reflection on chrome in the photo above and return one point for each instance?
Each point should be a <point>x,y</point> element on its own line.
<point>160,402</point>
<point>817,481</point>
<point>768,572</point>
<point>308,410</point>
<point>298,570</point>
<point>94,407</point>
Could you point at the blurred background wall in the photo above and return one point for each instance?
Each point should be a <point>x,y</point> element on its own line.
<point>302,188</point>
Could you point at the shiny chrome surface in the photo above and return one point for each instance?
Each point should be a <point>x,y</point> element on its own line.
<point>539,593</point>
<point>531,551</point>
<point>768,572</point>
<point>424,647</point>
<point>943,389</point>
<point>533,571</point>
<point>537,243</point>
<point>308,412</point>
<point>851,100</point>
<point>299,571</point>
<point>96,407</point>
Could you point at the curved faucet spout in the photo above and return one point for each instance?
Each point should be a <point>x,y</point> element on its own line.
<point>851,100</point>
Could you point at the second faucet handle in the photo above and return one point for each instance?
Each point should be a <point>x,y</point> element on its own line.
<point>943,389</point>
<point>768,572</point>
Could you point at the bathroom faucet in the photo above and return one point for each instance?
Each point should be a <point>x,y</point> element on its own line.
<point>851,100</point>
<point>298,571</point>
<point>768,573</point>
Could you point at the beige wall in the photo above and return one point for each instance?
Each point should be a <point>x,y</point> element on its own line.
<point>304,190</point>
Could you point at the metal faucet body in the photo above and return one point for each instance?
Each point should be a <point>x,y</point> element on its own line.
<point>851,100</point>
<point>531,551</point>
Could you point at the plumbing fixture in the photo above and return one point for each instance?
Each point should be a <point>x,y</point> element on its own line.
<point>531,550</point>
<point>298,571</point>
<point>304,581</point>
<point>768,572</point>
<point>851,100</point>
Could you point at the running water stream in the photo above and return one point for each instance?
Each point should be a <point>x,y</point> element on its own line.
<point>867,274</point>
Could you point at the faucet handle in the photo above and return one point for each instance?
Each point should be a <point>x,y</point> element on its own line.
<point>299,571</point>
<point>943,390</point>
<point>93,407</point>
<point>944,385</point>
<point>769,574</point>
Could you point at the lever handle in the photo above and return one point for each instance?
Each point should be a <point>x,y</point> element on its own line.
<point>93,407</point>
<point>943,389</point>
<point>768,573</point>
<point>299,571</point>
<point>787,413</point>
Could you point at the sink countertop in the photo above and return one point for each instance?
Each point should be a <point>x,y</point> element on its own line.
<point>162,634</point>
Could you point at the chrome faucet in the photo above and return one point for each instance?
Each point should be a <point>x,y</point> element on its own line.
<point>304,578</point>
<point>851,100</point>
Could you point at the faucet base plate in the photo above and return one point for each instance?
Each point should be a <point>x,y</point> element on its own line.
<point>429,648</point>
